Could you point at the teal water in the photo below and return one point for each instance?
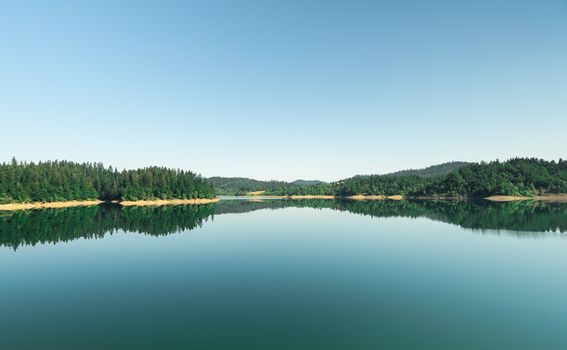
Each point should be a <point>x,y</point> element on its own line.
<point>280,274</point>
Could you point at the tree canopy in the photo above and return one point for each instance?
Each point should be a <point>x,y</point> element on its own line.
<point>517,176</point>
<point>65,181</point>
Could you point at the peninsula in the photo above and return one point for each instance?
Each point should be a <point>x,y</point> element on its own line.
<point>62,184</point>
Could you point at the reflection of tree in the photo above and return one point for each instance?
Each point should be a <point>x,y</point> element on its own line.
<point>62,225</point>
<point>517,216</point>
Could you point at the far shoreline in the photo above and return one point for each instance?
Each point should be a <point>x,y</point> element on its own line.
<point>551,198</point>
<point>88,203</point>
<point>160,202</point>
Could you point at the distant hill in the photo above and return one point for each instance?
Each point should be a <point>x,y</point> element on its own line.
<point>514,177</point>
<point>306,182</point>
<point>243,185</point>
<point>431,171</point>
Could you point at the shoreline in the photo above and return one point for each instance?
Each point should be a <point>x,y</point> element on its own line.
<point>359,197</point>
<point>45,205</point>
<point>552,197</point>
<point>160,202</point>
<point>88,203</point>
<point>556,197</point>
<point>311,196</point>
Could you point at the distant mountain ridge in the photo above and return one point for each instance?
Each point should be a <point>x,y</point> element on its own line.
<point>514,177</point>
<point>244,185</point>
<point>431,171</point>
<point>301,182</point>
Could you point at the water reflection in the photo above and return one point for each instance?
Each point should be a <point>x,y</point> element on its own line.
<point>523,219</point>
<point>62,225</point>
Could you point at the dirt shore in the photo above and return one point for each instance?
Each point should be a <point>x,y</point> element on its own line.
<point>314,196</point>
<point>361,197</point>
<point>24,206</point>
<point>37,205</point>
<point>159,202</point>
<point>558,197</point>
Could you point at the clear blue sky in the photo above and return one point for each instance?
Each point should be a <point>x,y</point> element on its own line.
<point>283,89</point>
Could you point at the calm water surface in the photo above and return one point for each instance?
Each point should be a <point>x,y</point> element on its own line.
<point>279,274</point>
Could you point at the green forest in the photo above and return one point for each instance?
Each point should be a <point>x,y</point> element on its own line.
<point>518,176</point>
<point>240,186</point>
<point>431,171</point>
<point>65,181</point>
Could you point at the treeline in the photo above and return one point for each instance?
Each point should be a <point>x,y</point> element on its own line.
<point>518,176</point>
<point>65,181</point>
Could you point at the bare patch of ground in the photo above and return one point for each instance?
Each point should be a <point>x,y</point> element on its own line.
<point>501,198</point>
<point>38,205</point>
<point>25,206</point>
<point>255,193</point>
<point>313,196</point>
<point>556,197</point>
<point>362,197</point>
<point>158,202</point>
<point>397,197</point>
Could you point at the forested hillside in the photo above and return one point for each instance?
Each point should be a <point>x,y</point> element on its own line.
<point>239,186</point>
<point>432,171</point>
<point>307,182</point>
<point>64,181</point>
<point>519,176</point>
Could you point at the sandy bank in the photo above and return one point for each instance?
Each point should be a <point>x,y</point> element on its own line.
<point>255,193</point>
<point>361,197</point>
<point>558,197</point>
<point>500,198</point>
<point>313,196</point>
<point>374,197</point>
<point>37,205</point>
<point>158,202</point>
<point>24,206</point>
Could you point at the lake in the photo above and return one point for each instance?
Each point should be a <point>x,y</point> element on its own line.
<point>286,274</point>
